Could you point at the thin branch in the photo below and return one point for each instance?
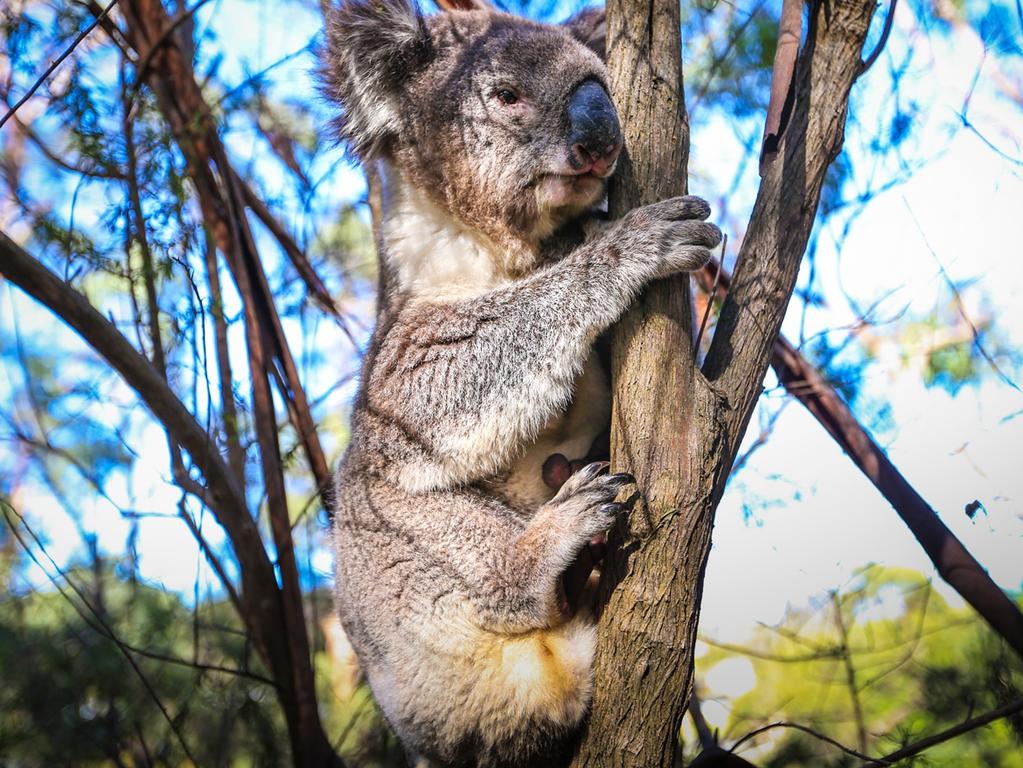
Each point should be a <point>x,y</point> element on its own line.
<point>850,673</point>
<point>1006,710</point>
<point>761,440</point>
<point>885,32</point>
<point>297,257</point>
<point>229,411</point>
<point>806,729</point>
<point>707,737</point>
<point>53,157</point>
<point>259,584</point>
<point>107,630</point>
<point>952,560</point>
<point>710,301</point>
<point>960,305</point>
<point>56,63</point>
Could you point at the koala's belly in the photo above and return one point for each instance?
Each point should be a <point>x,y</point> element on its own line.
<point>570,433</point>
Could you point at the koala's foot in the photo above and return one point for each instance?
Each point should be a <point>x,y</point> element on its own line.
<point>588,499</point>
<point>588,496</point>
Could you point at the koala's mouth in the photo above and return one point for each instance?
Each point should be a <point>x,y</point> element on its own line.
<point>577,584</point>
<point>556,190</point>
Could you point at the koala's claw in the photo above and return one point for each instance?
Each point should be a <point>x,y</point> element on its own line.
<point>676,209</point>
<point>589,496</point>
<point>671,236</point>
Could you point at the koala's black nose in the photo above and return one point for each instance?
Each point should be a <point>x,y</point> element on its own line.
<point>594,133</point>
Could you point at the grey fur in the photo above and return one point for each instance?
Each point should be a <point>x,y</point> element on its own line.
<point>450,549</point>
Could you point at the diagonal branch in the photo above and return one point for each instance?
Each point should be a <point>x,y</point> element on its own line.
<point>74,309</point>
<point>297,257</point>
<point>950,557</point>
<point>1010,708</point>
<point>785,209</point>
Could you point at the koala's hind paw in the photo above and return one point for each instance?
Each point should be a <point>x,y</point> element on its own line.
<point>589,497</point>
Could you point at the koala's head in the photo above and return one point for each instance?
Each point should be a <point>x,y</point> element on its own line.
<point>504,122</point>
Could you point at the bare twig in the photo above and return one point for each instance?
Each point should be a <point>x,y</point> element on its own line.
<point>710,302</point>
<point>845,656</point>
<point>297,257</point>
<point>810,731</point>
<point>885,32</point>
<point>1014,706</point>
<point>56,63</point>
<point>107,630</point>
<point>952,560</point>
<point>960,305</point>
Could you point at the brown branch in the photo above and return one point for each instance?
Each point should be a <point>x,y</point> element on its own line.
<point>261,296</point>
<point>284,638</point>
<point>56,63</point>
<point>779,107</point>
<point>707,737</point>
<point>50,154</point>
<point>137,230</point>
<point>678,431</point>
<point>262,611</point>
<point>103,627</point>
<point>74,309</point>
<point>807,730</point>
<point>297,257</point>
<point>229,412</point>
<point>1014,706</point>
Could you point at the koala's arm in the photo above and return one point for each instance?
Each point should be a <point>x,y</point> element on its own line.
<point>469,382</point>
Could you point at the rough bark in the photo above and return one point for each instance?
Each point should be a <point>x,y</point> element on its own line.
<point>676,429</point>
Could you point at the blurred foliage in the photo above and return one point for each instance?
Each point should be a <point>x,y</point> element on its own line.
<point>916,666</point>
<point>71,697</point>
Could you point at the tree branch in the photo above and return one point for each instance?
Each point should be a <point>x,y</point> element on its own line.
<point>952,560</point>
<point>677,431</point>
<point>1014,706</point>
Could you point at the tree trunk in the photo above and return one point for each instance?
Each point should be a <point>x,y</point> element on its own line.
<point>675,429</point>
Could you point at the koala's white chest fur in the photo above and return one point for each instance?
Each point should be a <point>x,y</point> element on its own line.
<point>437,258</point>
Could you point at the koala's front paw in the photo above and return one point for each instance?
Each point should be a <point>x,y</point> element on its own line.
<point>671,236</point>
<point>588,499</point>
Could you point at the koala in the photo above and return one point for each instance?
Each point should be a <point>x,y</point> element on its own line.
<point>493,137</point>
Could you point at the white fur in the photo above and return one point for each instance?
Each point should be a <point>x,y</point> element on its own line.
<point>437,258</point>
<point>498,679</point>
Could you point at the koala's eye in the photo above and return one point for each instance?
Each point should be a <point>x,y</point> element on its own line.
<point>506,96</point>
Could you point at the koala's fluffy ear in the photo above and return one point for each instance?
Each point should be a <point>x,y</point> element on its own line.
<point>373,47</point>
<point>588,28</point>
